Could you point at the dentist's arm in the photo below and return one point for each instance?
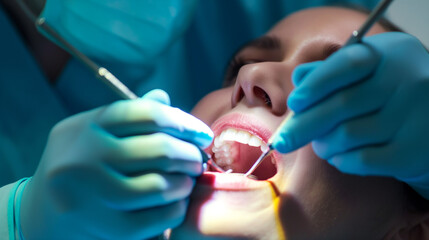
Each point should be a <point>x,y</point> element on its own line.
<point>365,109</point>
<point>123,171</point>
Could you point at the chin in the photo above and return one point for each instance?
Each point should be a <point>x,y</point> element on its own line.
<point>246,209</point>
<point>230,205</point>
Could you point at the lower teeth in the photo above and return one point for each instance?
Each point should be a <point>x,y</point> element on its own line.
<point>252,177</point>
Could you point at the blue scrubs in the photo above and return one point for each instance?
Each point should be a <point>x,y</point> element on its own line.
<point>192,67</point>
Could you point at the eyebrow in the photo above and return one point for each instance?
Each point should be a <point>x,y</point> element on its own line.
<point>271,43</point>
<point>264,43</point>
<point>330,48</point>
<point>274,43</point>
<point>261,43</point>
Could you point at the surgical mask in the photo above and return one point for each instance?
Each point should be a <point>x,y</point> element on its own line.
<point>125,31</point>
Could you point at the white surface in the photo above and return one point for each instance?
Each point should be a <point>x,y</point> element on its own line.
<point>412,16</point>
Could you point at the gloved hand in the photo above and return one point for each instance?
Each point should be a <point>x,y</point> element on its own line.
<point>123,171</point>
<point>137,30</point>
<point>365,109</point>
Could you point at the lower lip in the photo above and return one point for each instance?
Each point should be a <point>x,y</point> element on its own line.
<point>229,181</point>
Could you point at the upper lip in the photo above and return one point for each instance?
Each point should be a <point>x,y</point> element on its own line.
<point>242,122</point>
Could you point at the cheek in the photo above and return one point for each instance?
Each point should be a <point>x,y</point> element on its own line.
<point>213,105</point>
<point>321,201</point>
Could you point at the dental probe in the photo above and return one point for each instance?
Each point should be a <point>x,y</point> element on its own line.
<point>356,37</point>
<point>270,145</point>
<point>208,160</point>
<point>373,17</point>
<point>100,72</point>
<point>105,76</point>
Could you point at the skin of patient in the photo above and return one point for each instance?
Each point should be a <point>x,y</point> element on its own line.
<point>306,198</point>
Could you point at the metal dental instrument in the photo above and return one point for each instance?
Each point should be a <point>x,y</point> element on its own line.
<point>373,17</point>
<point>103,74</point>
<point>100,72</point>
<point>356,37</point>
<point>270,145</point>
<point>208,160</point>
<point>215,166</point>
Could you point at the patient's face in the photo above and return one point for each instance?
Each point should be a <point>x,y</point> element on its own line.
<point>298,195</point>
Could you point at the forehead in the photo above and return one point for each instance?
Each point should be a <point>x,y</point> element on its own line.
<point>327,23</point>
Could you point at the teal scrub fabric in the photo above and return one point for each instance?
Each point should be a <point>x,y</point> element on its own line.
<point>29,107</point>
<point>194,65</point>
<point>189,69</point>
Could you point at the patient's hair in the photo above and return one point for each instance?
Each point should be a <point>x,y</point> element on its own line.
<point>386,24</point>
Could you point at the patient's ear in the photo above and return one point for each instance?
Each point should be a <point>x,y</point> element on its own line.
<point>416,227</point>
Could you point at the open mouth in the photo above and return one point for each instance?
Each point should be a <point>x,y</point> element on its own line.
<point>237,150</point>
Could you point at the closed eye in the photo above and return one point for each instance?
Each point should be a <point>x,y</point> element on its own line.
<point>233,68</point>
<point>265,44</point>
<point>330,49</point>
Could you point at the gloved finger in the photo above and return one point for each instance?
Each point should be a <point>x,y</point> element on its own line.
<point>301,71</point>
<point>322,118</point>
<point>155,152</point>
<point>376,128</point>
<point>343,68</point>
<point>128,118</point>
<point>146,190</point>
<point>146,223</point>
<point>356,133</point>
<point>158,95</point>
<point>376,160</point>
<point>170,216</point>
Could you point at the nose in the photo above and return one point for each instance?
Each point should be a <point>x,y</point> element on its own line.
<point>264,84</point>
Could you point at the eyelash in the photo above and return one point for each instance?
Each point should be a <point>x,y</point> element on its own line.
<point>237,63</point>
<point>233,68</point>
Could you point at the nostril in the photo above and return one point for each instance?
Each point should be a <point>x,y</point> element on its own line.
<point>261,94</point>
<point>237,96</point>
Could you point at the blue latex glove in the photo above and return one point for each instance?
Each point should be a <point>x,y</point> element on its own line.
<point>365,109</point>
<point>123,171</point>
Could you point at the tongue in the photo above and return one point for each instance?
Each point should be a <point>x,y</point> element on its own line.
<point>245,157</point>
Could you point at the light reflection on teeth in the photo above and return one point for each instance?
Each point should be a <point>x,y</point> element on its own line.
<point>222,148</point>
<point>225,147</point>
<point>252,177</point>
<point>222,162</point>
<point>217,142</point>
<point>238,136</point>
<point>243,137</point>
<point>254,141</point>
<point>222,154</point>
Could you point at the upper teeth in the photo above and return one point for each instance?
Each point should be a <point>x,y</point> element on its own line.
<point>240,136</point>
<point>221,147</point>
